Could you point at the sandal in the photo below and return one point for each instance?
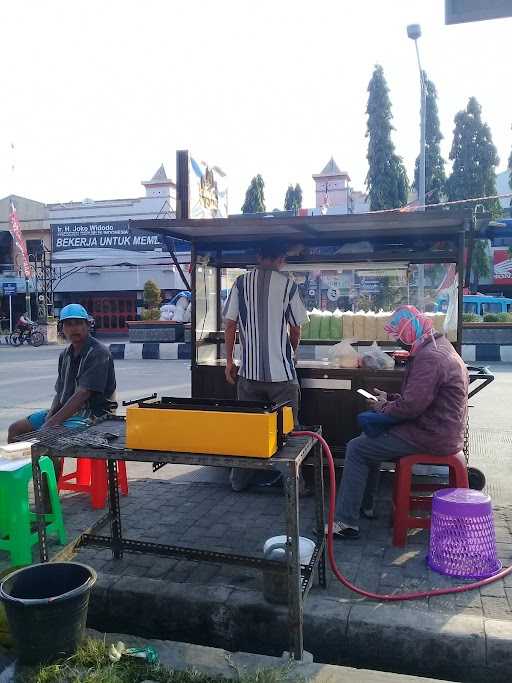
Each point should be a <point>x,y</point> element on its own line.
<point>344,532</point>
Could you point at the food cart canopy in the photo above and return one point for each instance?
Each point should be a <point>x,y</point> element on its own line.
<point>303,228</point>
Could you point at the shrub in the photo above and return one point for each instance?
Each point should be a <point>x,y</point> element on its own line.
<point>471,318</point>
<point>152,294</point>
<point>504,317</point>
<point>151,314</point>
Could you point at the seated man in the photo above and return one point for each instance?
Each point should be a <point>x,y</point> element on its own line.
<point>86,382</point>
<point>430,414</point>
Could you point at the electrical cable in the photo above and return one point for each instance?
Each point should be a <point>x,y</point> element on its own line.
<point>386,597</point>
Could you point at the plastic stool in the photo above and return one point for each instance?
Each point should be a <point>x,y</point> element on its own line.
<point>462,537</point>
<point>404,500</point>
<point>15,516</point>
<point>90,476</point>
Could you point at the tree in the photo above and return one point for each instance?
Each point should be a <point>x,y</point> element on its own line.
<point>480,262</point>
<point>293,199</point>
<point>152,298</point>
<point>298,197</point>
<point>254,197</point>
<point>386,180</point>
<point>474,158</point>
<point>510,174</point>
<point>435,177</point>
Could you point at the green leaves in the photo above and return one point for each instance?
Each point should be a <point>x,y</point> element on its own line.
<point>293,198</point>
<point>386,180</point>
<point>255,197</point>
<point>435,177</point>
<point>474,158</point>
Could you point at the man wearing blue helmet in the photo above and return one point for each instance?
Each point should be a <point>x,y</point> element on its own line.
<point>86,382</point>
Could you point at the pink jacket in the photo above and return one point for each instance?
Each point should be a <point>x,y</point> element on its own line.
<point>434,400</point>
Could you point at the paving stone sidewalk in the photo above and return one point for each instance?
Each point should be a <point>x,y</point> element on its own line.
<point>194,506</point>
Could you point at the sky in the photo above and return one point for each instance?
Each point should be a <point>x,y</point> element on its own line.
<point>96,95</point>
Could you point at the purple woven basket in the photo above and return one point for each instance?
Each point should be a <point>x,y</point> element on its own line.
<point>462,537</point>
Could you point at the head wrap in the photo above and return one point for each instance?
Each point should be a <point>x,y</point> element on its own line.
<point>410,326</point>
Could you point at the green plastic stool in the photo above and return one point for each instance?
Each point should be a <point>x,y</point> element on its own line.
<point>16,520</point>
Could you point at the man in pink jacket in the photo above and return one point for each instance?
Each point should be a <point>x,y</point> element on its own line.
<point>430,414</point>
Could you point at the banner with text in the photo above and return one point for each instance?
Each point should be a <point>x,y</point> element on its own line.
<point>84,241</point>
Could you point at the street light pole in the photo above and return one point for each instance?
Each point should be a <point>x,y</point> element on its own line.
<point>414,32</point>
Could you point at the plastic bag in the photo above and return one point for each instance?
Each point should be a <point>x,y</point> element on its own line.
<point>343,355</point>
<point>167,311</point>
<point>179,314</point>
<point>182,303</point>
<point>375,358</point>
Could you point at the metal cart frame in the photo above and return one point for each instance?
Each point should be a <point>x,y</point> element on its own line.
<point>288,461</point>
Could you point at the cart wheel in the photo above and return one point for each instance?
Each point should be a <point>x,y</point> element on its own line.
<point>37,338</point>
<point>476,479</point>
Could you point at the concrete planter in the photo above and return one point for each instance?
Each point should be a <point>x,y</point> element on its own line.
<point>487,342</point>
<point>157,331</point>
<point>49,330</point>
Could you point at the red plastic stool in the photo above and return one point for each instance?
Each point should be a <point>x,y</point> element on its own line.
<point>404,500</point>
<point>90,476</point>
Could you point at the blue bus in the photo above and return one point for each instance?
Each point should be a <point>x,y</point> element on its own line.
<point>480,304</point>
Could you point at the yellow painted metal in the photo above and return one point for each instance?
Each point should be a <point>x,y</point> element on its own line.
<point>202,431</point>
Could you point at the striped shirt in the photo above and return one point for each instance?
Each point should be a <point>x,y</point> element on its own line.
<point>265,302</point>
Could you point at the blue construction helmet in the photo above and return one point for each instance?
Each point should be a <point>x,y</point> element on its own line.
<point>74,311</point>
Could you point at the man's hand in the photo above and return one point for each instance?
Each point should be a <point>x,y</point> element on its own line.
<point>52,422</point>
<point>231,372</point>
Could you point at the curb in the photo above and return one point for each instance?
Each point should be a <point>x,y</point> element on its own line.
<point>493,353</point>
<point>471,353</point>
<point>367,635</point>
<point>225,665</point>
<point>151,351</point>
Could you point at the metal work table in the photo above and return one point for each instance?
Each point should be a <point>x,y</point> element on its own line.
<point>92,443</point>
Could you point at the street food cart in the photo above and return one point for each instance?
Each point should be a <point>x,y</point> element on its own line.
<point>352,272</point>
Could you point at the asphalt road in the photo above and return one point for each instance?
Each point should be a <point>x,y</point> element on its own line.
<point>27,378</point>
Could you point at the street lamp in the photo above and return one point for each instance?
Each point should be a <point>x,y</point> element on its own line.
<point>414,32</point>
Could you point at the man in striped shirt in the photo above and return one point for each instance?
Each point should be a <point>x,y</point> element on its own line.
<point>266,306</point>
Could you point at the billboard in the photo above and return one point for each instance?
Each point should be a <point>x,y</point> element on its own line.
<point>461,11</point>
<point>105,240</point>
<point>208,191</point>
<point>502,267</point>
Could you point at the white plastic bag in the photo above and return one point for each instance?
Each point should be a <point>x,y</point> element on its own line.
<point>343,355</point>
<point>375,358</point>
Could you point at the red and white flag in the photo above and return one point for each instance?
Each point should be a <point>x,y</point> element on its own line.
<point>19,240</point>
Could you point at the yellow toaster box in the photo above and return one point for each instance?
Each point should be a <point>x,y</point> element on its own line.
<point>205,431</point>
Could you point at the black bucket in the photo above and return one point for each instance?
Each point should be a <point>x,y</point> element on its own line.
<point>46,607</point>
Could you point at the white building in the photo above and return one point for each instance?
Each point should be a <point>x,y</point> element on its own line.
<point>334,194</point>
<point>102,263</point>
